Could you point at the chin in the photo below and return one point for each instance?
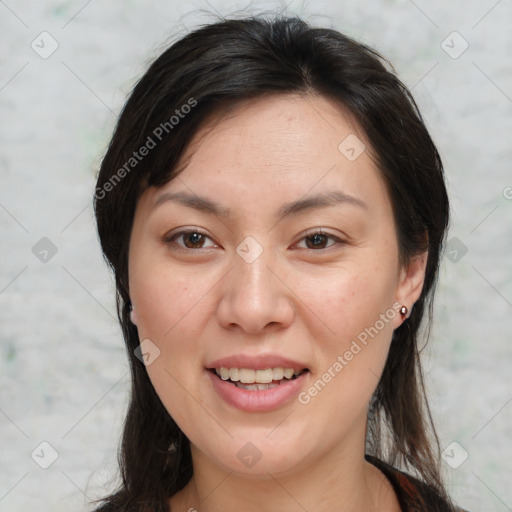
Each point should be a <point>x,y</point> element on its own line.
<point>260,458</point>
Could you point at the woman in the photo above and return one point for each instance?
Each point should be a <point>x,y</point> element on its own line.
<point>274,209</point>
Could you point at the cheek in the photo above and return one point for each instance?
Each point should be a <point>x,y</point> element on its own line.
<point>355,304</point>
<point>358,307</point>
<point>164,298</point>
<point>170,313</point>
<point>348,300</point>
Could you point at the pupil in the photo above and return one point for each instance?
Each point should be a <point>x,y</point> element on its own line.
<point>195,238</point>
<point>317,240</point>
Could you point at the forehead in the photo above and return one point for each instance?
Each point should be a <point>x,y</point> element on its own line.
<point>275,130</point>
<point>276,149</point>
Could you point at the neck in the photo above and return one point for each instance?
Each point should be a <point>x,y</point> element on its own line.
<point>341,480</point>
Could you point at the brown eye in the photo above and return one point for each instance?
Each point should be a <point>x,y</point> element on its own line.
<point>195,239</point>
<point>318,240</point>
<point>190,239</point>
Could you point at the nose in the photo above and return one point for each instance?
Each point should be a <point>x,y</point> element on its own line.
<point>255,298</point>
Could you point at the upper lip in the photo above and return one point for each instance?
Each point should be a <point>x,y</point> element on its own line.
<point>260,362</point>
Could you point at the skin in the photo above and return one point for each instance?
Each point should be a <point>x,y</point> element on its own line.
<point>199,301</point>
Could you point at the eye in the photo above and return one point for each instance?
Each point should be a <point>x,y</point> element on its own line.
<point>191,239</point>
<point>194,239</point>
<point>318,240</point>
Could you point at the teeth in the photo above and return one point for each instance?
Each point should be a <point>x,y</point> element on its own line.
<point>288,373</point>
<point>255,387</point>
<point>247,376</point>
<point>224,374</point>
<point>278,373</point>
<point>260,377</point>
<point>264,376</point>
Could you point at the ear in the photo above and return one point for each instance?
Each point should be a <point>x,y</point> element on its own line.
<point>410,285</point>
<point>133,315</point>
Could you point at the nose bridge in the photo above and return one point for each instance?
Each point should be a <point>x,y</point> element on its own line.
<point>252,274</point>
<point>253,296</point>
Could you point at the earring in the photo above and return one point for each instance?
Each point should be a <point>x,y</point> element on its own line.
<point>133,317</point>
<point>403,312</point>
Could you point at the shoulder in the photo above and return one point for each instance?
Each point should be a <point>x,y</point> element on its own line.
<point>413,494</point>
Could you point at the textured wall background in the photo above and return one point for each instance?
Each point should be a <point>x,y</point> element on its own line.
<point>64,378</point>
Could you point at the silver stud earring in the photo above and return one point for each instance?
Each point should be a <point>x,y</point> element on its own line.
<point>133,316</point>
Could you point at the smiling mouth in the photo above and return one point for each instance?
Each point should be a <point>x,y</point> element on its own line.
<point>257,380</point>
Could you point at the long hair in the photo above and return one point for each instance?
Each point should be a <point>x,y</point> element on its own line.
<point>202,75</point>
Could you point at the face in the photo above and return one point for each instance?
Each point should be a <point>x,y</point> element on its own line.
<point>284,280</point>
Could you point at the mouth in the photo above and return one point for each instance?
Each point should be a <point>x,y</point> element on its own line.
<point>257,380</point>
<point>257,383</point>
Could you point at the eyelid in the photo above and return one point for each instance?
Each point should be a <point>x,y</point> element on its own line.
<point>319,231</point>
<point>170,238</point>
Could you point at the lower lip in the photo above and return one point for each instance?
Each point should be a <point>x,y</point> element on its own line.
<point>258,400</point>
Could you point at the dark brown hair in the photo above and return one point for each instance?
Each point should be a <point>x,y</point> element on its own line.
<point>209,70</point>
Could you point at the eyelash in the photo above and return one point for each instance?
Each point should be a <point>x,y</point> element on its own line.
<point>311,234</point>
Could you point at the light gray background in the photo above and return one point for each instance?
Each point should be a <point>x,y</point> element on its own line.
<point>64,376</point>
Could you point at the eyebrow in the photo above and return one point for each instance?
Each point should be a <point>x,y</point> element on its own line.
<point>322,200</point>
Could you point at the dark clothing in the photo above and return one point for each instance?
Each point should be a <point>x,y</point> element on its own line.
<point>413,495</point>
